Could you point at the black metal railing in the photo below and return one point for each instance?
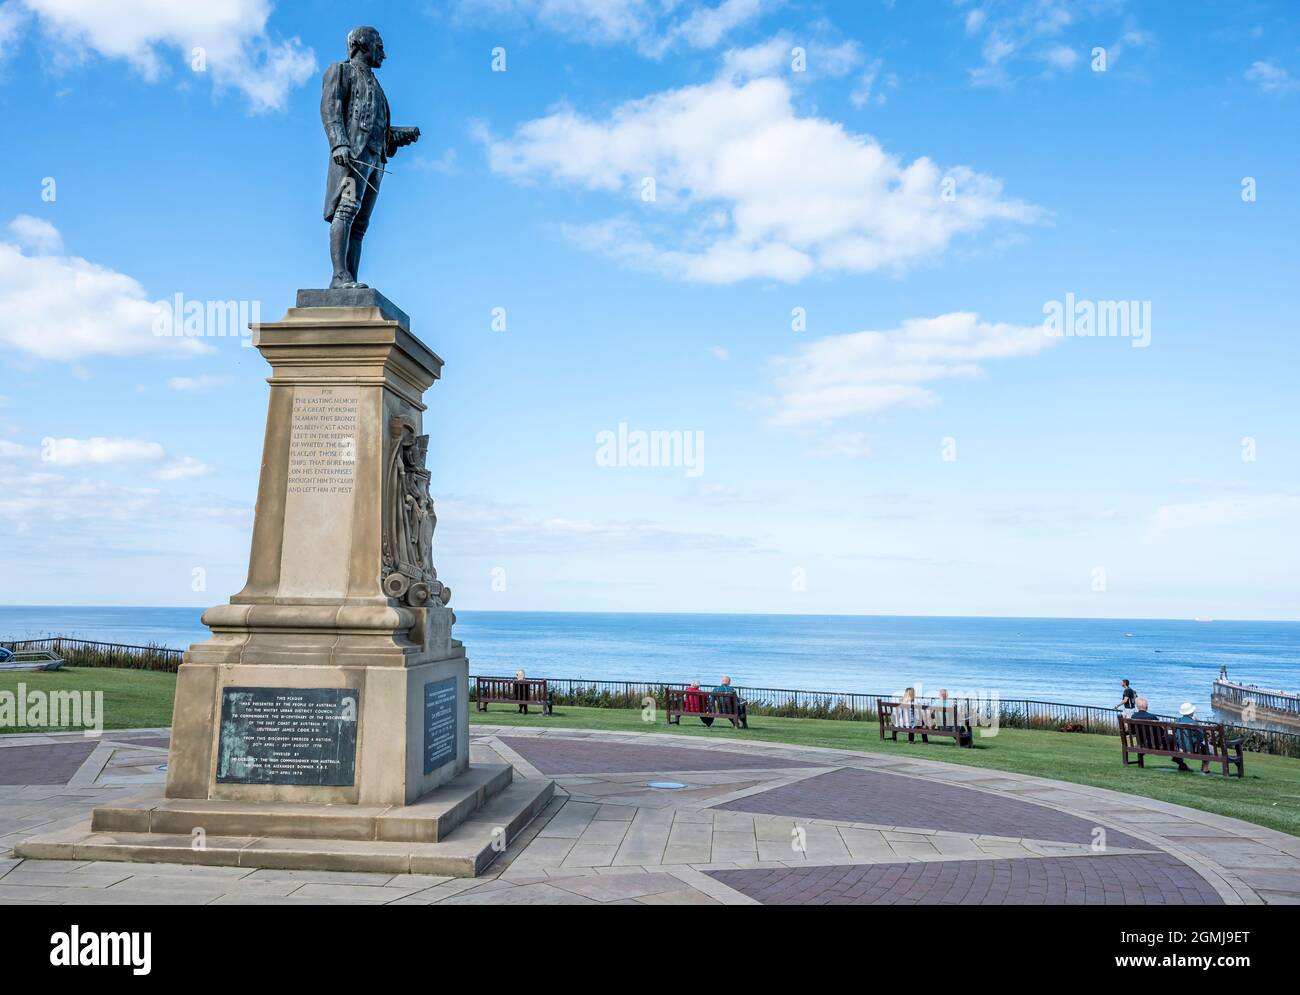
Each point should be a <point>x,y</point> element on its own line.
<point>852,706</point>
<point>89,653</point>
<point>1014,713</point>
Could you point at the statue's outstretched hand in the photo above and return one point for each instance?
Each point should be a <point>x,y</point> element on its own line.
<point>342,155</point>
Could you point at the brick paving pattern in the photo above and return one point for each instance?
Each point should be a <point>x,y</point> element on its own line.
<point>605,838</point>
<point>161,741</point>
<point>46,763</point>
<point>1121,879</point>
<point>891,800</point>
<point>555,756</point>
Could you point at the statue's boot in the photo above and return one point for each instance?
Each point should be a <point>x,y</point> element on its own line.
<point>354,257</point>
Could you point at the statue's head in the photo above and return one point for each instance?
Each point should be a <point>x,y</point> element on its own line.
<point>365,41</point>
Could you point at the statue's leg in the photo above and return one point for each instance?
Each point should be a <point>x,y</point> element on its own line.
<point>354,255</point>
<point>369,194</point>
<point>340,236</point>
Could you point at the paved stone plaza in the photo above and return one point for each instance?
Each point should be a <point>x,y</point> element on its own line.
<point>758,824</point>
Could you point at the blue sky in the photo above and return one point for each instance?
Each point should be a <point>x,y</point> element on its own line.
<point>917,180</point>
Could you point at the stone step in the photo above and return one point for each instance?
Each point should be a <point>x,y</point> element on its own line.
<point>466,852</point>
<point>428,820</point>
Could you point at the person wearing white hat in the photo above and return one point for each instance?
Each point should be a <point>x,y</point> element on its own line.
<point>1190,740</point>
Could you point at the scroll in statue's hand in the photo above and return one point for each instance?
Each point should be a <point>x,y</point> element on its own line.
<point>405,136</point>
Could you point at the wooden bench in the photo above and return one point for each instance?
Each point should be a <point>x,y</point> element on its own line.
<point>701,704</point>
<point>511,691</point>
<point>931,720</point>
<point>1167,738</point>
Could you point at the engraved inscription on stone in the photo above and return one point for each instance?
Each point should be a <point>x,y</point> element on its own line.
<point>288,736</point>
<point>439,724</point>
<point>323,441</point>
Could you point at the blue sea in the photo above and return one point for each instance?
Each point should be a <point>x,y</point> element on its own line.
<point>1070,660</point>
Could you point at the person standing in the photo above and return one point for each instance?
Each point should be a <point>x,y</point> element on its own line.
<point>1127,699</point>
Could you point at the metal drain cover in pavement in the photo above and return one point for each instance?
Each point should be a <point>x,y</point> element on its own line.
<point>672,785</point>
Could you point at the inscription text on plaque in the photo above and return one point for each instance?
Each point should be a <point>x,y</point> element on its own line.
<point>439,723</point>
<point>323,441</point>
<point>288,736</point>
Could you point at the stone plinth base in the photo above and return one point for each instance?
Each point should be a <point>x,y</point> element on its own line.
<point>456,830</point>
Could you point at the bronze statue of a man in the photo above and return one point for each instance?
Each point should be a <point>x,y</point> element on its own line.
<point>354,110</point>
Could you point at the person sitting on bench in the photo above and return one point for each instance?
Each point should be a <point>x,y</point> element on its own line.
<point>742,710</point>
<point>696,700</point>
<point>1190,739</point>
<point>521,692</point>
<point>905,716</point>
<point>1142,712</point>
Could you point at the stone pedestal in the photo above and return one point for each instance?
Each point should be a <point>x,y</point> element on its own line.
<point>325,722</point>
<point>334,523</point>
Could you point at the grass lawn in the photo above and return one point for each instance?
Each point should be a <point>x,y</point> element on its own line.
<point>133,699</point>
<point>1269,794</point>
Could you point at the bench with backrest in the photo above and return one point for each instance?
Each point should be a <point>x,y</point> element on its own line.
<point>511,691</point>
<point>700,703</point>
<point>929,720</point>
<point>1169,738</point>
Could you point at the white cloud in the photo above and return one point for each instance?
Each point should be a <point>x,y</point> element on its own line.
<point>488,528</point>
<point>238,51</point>
<point>12,17</point>
<point>1220,512</point>
<point>30,498</point>
<point>822,58</point>
<point>11,450</point>
<point>66,308</point>
<point>774,194</point>
<point>1011,32</point>
<point>1061,57</point>
<point>706,26</point>
<point>763,59</point>
<point>75,452</point>
<point>185,468</point>
<point>36,234</point>
<point>444,163</point>
<point>594,21</point>
<point>842,445</point>
<point>719,353</point>
<point>198,384</point>
<point>713,493</point>
<point>1272,79</point>
<point>865,373</point>
<point>867,91</point>
<point>652,26</point>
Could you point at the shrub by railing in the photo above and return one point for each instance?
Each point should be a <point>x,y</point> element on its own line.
<point>89,653</point>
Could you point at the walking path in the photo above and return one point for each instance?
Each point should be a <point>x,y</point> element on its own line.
<point>773,824</point>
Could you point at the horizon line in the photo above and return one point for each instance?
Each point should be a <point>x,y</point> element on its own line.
<point>546,611</point>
